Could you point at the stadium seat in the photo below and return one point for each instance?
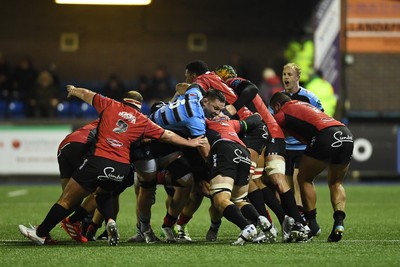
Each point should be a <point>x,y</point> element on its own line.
<point>75,109</point>
<point>3,109</point>
<point>88,111</point>
<point>145,108</point>
<point>64,109</point>
<point>17,109</point>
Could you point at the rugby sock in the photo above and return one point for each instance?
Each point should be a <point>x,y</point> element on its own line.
<point>55,215</point>
<point>289,206</point>
<point>215,225</point>
<point>169,221</point>
<point>312,221</point>
<point>92,229</point>
<point>339,216</point>
<point>78,215</point>
<point>256,198</point>
<point>105,205</point>
<point>273,203</point>
<point>312,214</point>
<point>183,219</point>
<point>301,212</point>
<point>250,213</point>
<point>233,214</point>
<point>144,223</point>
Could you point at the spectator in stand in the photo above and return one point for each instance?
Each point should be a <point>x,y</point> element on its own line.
<point>114,88</point>
<point>270,85</point>
<point>4,77</point>
<point>44,96</point>
<point>162,85</point>
<point>143,87</point>
<point>23,79</point>
<point>53,71</point>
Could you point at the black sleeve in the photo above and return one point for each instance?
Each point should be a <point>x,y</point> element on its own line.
<point>246,91</point>
<point>250,123</point>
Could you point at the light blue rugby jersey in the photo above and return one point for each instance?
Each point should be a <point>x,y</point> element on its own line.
<point>184,114</point>
<point>305,96</point>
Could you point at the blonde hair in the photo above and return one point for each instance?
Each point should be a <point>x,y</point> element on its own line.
<point>295,67</point>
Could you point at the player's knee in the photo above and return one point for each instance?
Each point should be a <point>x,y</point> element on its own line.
<point>148,184</point>
<point>185,181</point>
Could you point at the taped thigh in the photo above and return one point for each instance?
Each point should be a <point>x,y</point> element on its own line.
<point>220,187</point>
<point>146,166</point>
<point>240,198</point>
<point>275,166</point>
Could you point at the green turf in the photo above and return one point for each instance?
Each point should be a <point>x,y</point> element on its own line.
<point>372,236</point>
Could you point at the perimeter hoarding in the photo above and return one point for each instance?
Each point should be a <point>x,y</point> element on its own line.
<point>373,26</point>
<point>376,149</point>
<point>30,150</point>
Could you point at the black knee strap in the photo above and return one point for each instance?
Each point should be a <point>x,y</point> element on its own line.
<point>148,184</point>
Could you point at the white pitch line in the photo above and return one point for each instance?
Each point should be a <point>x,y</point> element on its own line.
<point>17,193</point>
<point>368,241</point>
<point>342,241</point>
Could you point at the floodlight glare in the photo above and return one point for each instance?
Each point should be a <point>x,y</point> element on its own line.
<point>105,2</point>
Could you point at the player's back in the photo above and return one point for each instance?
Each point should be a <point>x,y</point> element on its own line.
<point>120,125</point>
<point>184,114</point>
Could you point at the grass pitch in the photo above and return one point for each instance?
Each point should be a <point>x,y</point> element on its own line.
<point>372,235</point>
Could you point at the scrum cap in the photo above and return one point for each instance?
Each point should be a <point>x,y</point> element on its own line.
<point>225,72</point>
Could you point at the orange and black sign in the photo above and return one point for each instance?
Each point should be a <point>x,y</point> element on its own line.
<point>373,26</point>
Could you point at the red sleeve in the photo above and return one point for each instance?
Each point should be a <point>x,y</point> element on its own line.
<point>203,83</point>
<point>153,130</point>
<point>100,102</point>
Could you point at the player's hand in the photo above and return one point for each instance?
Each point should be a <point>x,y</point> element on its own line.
<point>70,89</point>
<point>200,141</point>
<point>205,188</point>
<point>221,117</point>
<point>181,88</point>
<point>231,110</point>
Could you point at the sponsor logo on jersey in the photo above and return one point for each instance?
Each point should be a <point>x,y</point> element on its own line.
<point>240,158</point>
<point>341,139</point>
<point>127,116</point>
<point>110,175</point>
<point>114,143</point>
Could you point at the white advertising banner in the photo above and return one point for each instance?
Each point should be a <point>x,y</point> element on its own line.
<point>32,150</point>
<point>327,57</point>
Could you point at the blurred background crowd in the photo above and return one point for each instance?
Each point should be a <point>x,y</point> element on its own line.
<point>29,92</point>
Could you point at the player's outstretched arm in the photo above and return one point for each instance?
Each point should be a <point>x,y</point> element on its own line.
<point>171,137</point>
<point>82,93</point>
